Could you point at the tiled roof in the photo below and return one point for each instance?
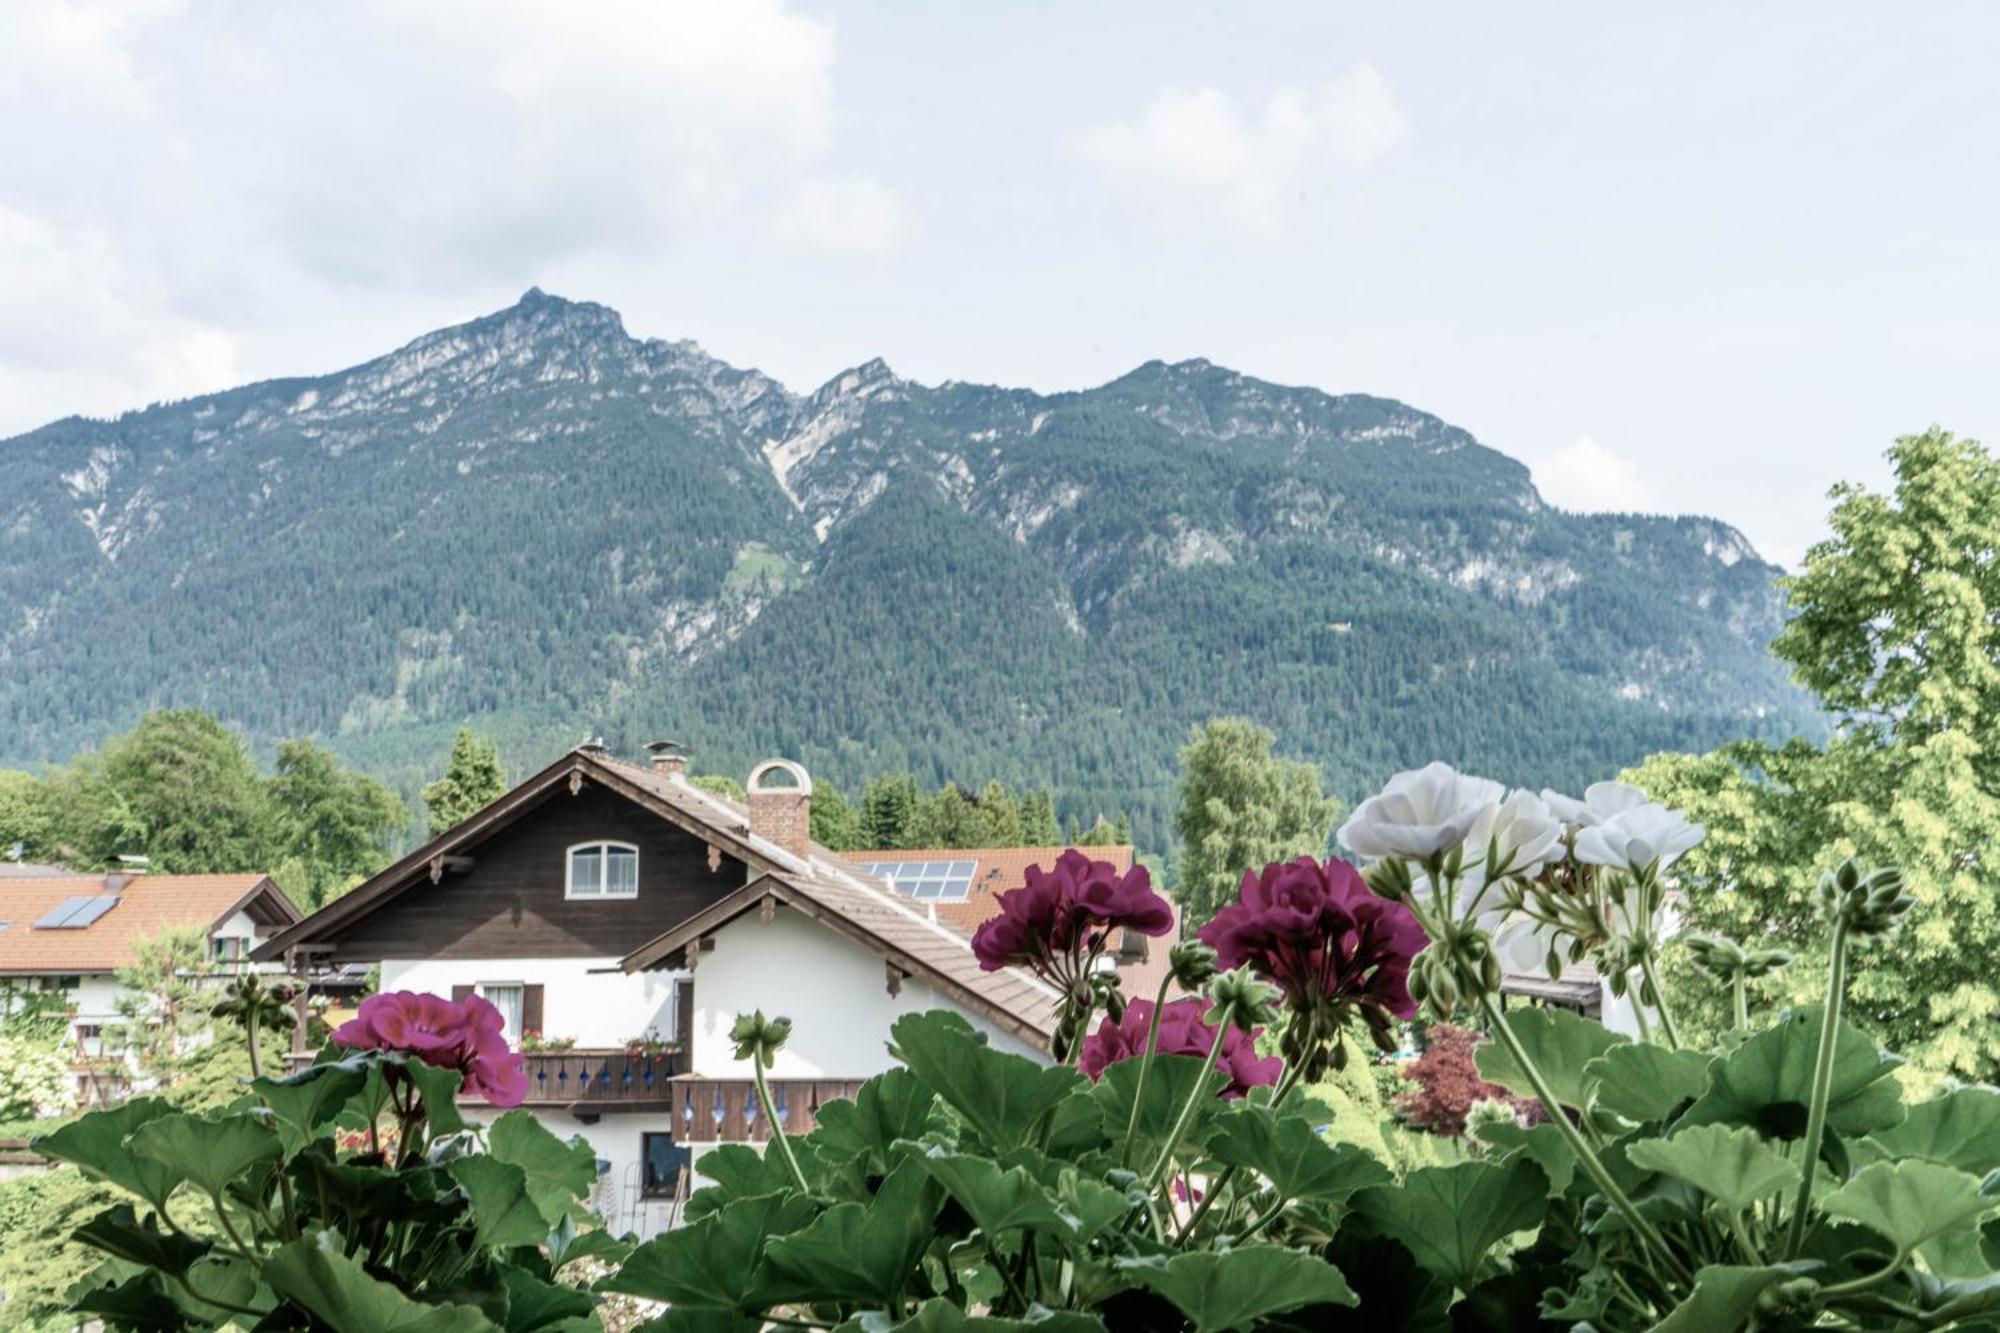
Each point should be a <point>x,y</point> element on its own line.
<point>147,904</point>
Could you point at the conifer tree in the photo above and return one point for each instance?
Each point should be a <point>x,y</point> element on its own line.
<point>471,780</point>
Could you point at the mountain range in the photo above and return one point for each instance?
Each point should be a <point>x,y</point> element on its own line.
<point>541,525</point>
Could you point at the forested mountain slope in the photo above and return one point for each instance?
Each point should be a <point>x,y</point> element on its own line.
<point>543,525</point>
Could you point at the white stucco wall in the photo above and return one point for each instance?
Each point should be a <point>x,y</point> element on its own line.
<point>585,999</point>
<point>834,991</point>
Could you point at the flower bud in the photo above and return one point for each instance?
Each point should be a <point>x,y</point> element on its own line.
<point>1192,964</point>
<point>1867,904</point>
<point>759,1038</point>
<point>1389,879</point>
<point>1251,1003</point>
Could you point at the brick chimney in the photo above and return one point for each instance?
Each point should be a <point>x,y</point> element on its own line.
<point>669,758</point>
<point>781,805</point>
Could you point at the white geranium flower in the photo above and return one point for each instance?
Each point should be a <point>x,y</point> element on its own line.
<point>1419,814</point>
<point>1637,837</point>
<point>1518,836</point>
<point>1601,800</point>
<point>1522,946</point>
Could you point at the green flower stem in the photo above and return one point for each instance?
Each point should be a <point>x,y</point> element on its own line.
<point>1585,1154</point>
<point>770,1110</point>
<point>1822,1085</point>
<point>1739,995</point>
<point>1145,1068</point>
<point>1195,1095</point>
<point>250,1030</point>
<point>1652,973</point>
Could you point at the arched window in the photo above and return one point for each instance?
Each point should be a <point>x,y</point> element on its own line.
<point>602,870</point>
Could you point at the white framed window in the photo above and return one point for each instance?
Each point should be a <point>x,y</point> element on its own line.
<point>507,997</point>
<point>602,870</point>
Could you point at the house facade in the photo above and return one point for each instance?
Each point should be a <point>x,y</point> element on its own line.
<point>620,918</point>
<point>70,934</point>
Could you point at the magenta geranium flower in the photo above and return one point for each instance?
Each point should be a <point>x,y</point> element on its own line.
<point>1061,913</point>
<point>1181,1033</point>
<point>448,1034</point>
<point>1332,947</point>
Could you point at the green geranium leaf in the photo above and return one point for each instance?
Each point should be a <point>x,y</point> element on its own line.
<point>1088,1206</point>
<point>998,1201</point>
<point>140,1303</point>
<point>1645,1083</point>
<point>1236,1288</point>
<point>439,1090</point>
<point>860,1253</point>
<point>1007,1099</point>
<point>1450,1216</point>
<point>118,1231</point>
<point>1732,1166</point>
<point>535,1306</point>
<point>313,1274</point>
<point>685,1320</point>
<point>1764,1083</point>
<point>1292,1156</point>
<point>737,1171</point>
<point>1963,1297</point>
<point>888,1108</point>
<point>1172,1080</point>
<point>304,1103</point>
<point>358,1191</point>
<point>1909,1202</point>
<point>567,1245</point>
<point>222,1278</point>
<point>1542,1144</point>
<point>96,1142</point>
<point>1560,1043</point>
<point>503,1213</point>
<point>718,1262</point>
<point>559,1173</point>
<point>207,1153</point>
<point>941,1316</point>
<point>1961,1129</point>
<point>1725,1297</point>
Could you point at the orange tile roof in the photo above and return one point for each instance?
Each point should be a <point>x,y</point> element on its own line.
<point>146,905</point>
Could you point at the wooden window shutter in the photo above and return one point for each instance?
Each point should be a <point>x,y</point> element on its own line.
<point>531,1009</point>
<point>460,993</point>
<point>684,1019</point>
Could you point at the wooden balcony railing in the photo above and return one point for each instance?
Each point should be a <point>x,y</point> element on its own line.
<point>601,1079</point>
<point>726,1110</point>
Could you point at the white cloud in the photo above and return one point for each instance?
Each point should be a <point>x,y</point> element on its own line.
<point>186,167</point>
<point>1249,157</point>
<point>841,214</point>
<point>1587,477</point>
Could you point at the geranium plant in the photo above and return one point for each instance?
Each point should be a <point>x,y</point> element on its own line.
<point>351,1195</point>
<point>1163,1177</point>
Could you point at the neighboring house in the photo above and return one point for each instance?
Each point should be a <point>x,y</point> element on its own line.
<point>958,886</point>
<point>619,913</point>
<point>71,933</point>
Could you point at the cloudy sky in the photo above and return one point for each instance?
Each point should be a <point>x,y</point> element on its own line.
<point>1705,258</point>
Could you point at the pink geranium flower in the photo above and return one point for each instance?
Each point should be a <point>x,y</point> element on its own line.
<point>1060,913</point>
<point>1181,1033</point>
<point>448,1034</point>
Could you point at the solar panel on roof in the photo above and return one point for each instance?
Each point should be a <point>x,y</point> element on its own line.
<point>76,913</point>
<point>929,881</point>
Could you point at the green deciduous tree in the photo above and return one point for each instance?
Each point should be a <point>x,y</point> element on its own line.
<point>1240,807</point>
<point>1897,629</point>
<point>337,826</point>
<point>25,818</point>
<point>471,779</point>
<point>180,788</point>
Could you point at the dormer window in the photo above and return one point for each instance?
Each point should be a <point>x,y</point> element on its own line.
<point>603,870</point>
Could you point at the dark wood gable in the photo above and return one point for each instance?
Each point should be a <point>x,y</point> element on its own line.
<point>509,902</point>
